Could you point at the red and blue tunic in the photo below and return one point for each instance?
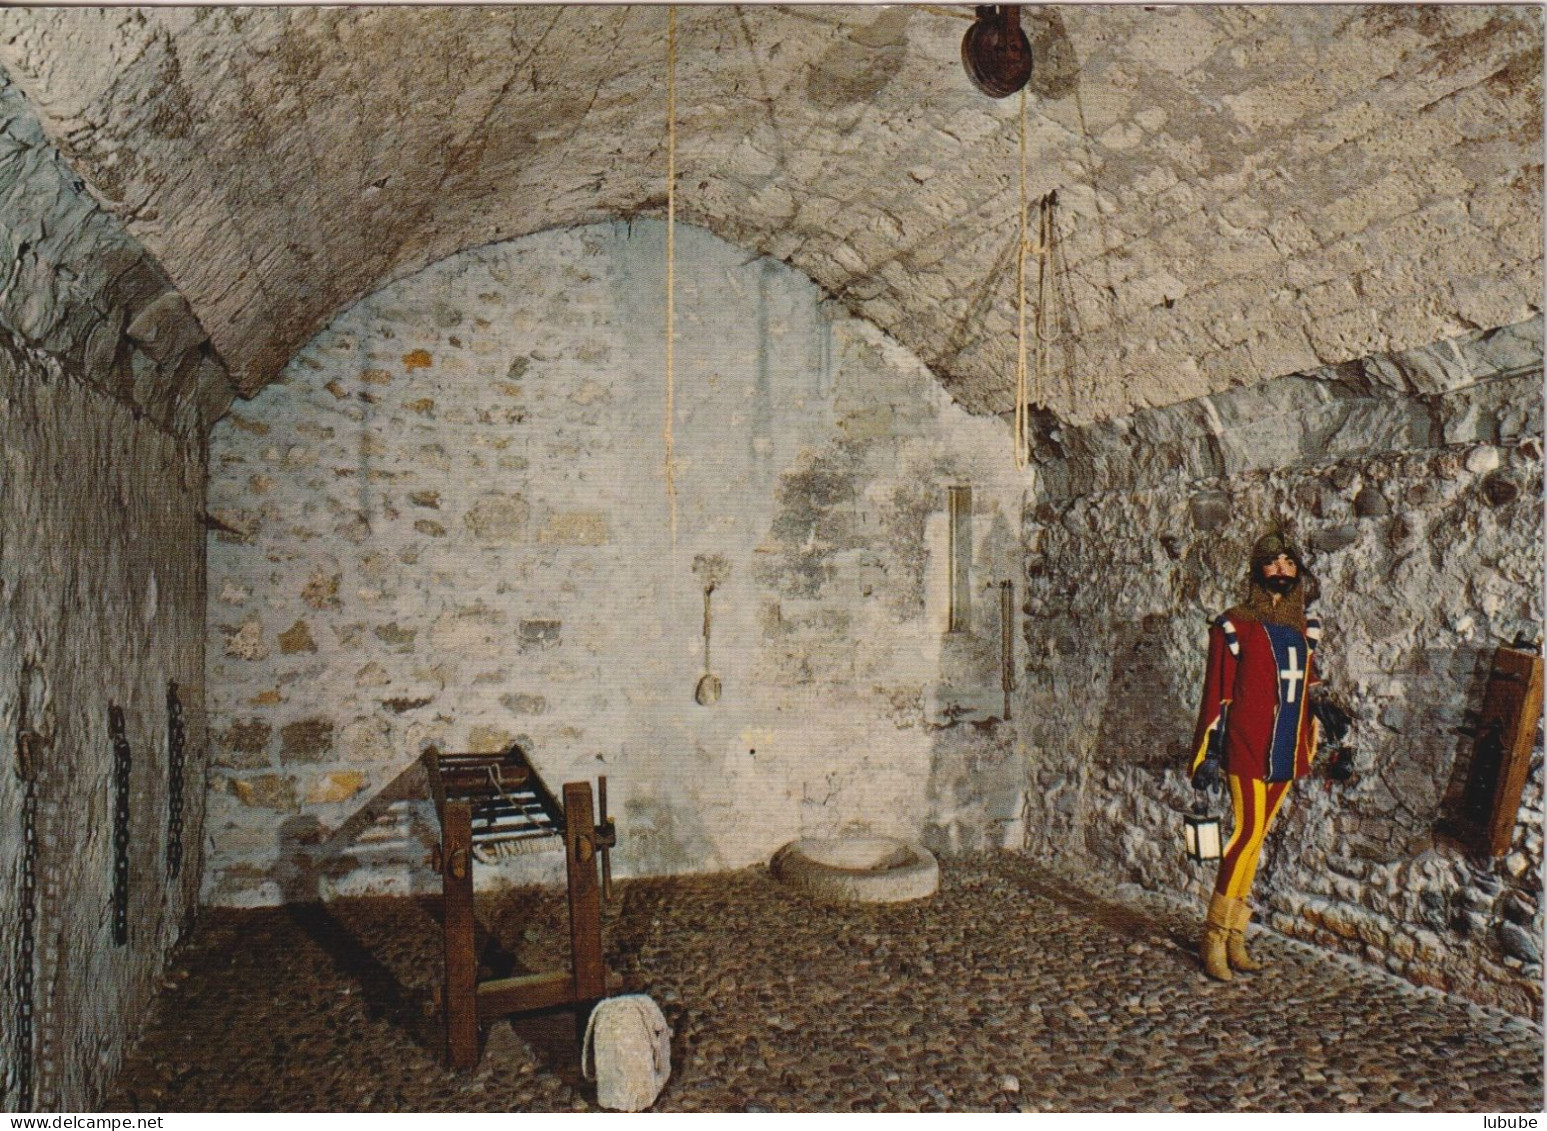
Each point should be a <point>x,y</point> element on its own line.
<point>1255,689</point>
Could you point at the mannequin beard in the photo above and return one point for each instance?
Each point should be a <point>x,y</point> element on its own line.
<point>1280,585</point>
<point>1263,605</point>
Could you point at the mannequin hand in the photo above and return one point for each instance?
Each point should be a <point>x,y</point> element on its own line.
<point>1208,775</point>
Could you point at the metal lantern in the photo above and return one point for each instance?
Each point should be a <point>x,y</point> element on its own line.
<point>1201,831</point>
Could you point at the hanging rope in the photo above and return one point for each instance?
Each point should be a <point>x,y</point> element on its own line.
<point>1046,230</point>
<point>1058,299</point>
<point>1022,409</point>
<point>671,255</point>
<point>1031,386</point>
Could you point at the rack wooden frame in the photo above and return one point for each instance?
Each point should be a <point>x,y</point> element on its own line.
<point>504,795</point>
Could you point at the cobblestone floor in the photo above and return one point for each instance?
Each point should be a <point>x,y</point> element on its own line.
<point>1010,989</point>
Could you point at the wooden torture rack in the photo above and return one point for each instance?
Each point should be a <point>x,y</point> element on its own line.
<point>485,801</point>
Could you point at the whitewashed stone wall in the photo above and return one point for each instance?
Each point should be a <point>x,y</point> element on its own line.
<point>105,385</point>
<point>448,523</point>
<point>1421,512</point>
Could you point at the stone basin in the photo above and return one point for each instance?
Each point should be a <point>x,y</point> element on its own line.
<point>858,869</point>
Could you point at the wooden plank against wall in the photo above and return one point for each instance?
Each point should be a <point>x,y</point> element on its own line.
<point>1488,806</point>
<point>1515,700</point>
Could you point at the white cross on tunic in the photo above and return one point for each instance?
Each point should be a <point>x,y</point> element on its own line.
<point>1293,675</point>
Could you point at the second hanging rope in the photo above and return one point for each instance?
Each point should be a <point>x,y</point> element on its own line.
<point>1031,386</point>
<point>671,223</point>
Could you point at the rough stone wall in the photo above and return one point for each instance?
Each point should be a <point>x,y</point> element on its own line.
<point>1244,190</point>
<point>101,600</point>
<point>80,288</point>
<point>448,523</point>
<point>1421,514</point>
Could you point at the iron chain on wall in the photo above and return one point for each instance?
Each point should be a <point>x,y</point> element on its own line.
<point>121,763</point>
<point>26,936</point>
<point>176,741</point>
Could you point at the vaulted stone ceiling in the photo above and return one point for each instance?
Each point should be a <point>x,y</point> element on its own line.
<point>1243,192</point>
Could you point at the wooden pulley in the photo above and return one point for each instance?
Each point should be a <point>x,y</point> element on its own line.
<point>996,52</point>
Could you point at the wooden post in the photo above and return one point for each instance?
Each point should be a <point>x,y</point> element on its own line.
<point>601,819</point>
<point>459,995</point>
<point>585,906</point>
<point>1007,642</point>
<point>960,559</point>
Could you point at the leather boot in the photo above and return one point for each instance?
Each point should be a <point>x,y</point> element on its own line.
<point>1216,934</point>
<point>1235,943</point>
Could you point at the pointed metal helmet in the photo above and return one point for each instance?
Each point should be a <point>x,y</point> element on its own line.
<point>1271,545</point>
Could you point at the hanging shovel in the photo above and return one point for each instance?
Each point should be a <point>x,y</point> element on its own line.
<point>708,689</point>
